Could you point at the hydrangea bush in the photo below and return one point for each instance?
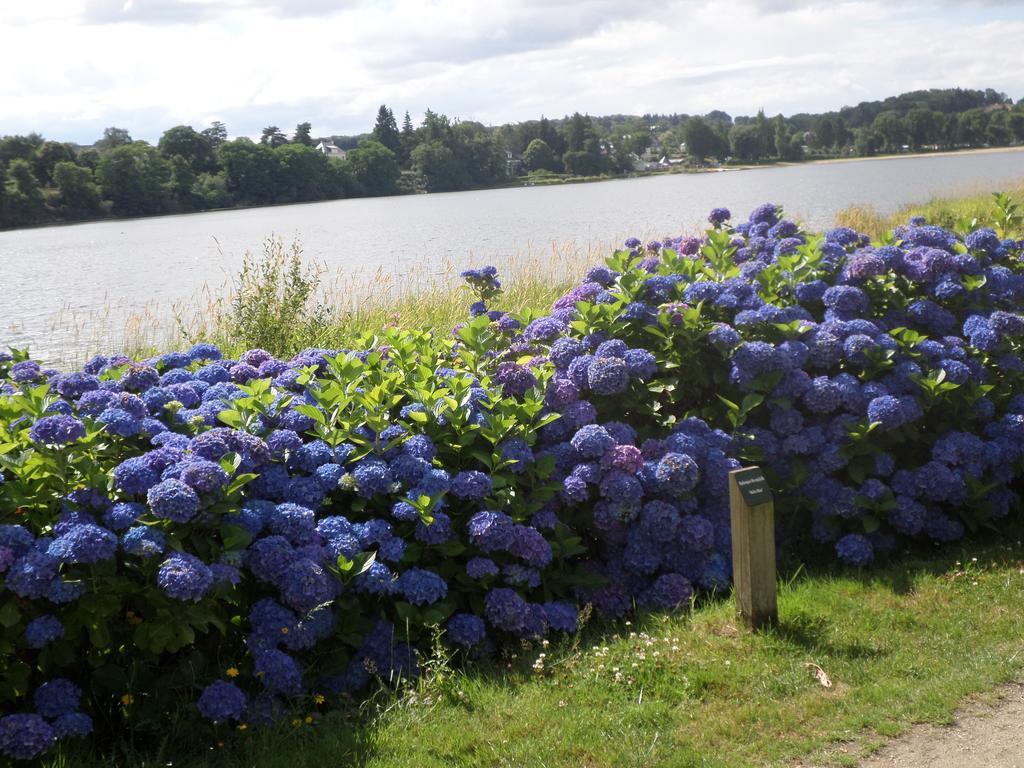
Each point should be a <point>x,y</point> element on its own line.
<point>238,537</point>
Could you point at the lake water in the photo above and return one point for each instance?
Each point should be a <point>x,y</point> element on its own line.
<point>69,290</point>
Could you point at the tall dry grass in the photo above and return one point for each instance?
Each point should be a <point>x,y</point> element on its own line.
<point>347,305</point>
<point>950,212</point>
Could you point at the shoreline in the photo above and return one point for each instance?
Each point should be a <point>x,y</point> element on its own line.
<point>525,183</point>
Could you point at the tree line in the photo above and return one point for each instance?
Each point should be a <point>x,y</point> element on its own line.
<point>189,170</point>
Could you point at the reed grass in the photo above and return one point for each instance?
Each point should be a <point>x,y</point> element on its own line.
<point>348,305</point>
<point>954,212</point>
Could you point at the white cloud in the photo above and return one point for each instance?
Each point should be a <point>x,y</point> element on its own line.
<point>74,67</point>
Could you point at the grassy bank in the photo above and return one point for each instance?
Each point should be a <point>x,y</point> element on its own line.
<point>957,213</point>
<point>899,645</point>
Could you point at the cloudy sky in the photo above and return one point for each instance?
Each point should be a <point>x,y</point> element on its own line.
<point>72,67</point>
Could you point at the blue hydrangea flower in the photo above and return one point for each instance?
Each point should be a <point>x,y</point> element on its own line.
<point>57,697</point>
<point>471,485</point>
<point>203,476</point>
<point>481,567</point>
<point>173,500</point>
<point>592,441</point>
<point>57,430</point>
<point>608,376</point>
<point>43,630</point>
<point>143,541</point>
<point>466,629</point>
<point>25,736</point>
<point>85,543</point>
<point>561,616</point>
<point>490,531</point>
<point>278,672</point>
<point>184,577</point>
<point>421,587</point>
<point>305,584</point>
<point>72,724</point>
<point>855,549</point>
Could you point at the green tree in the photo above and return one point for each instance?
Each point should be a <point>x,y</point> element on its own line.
<point>785,146</point>
<point>5,199</point>
<point>300,173</point>
<point>922,127</point>
<point>540,157</point>
<point>216,134</point>
<point>339,179</point>
<point>438,166</point>
<point>1015,122</point>
<point>867,142</point>
<point>212,190</point>
<point>273,137</point>
<point>302,135</point>
<point>745,141</point>
<point>79,194</point>
<point>250,170</point>
<point>408,137</point>
<point>47,156</point>
<point>88,158</point>
<point>19,147</point>
<point>890,126</point>
<point>181,182</point>
<point>823,129</point>
<point>583,147</point>
<point>971,127</point>
<point>795,150</point>
<point>385,130</point>
<point>185,142</point>
<point>26,203</point>
<point>701,140</point>
<point>484,159</point>
<point>997,132</point>
<point>375,168</point>
<point>765,132</point>
<point>134,178</point>
<point>112,138</point>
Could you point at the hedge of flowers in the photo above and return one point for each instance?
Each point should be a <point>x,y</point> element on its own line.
<point>238,538</point>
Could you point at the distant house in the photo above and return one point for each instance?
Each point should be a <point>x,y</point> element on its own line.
<point>329,148</point>
<point>514,163</point>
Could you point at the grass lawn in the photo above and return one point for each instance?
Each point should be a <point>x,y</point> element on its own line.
<point>899,644</point>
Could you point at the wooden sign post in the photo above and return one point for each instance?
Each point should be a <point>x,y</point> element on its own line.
<point>753,547</point>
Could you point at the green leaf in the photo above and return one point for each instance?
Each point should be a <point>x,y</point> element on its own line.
<point>312,412</point>
<point>9,614</point>
<point>235,536</point>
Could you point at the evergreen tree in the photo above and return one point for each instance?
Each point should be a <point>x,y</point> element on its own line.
<point>385,131</point>
<point>273,137</point>
<point>302,136</point>
<point>216,134</point>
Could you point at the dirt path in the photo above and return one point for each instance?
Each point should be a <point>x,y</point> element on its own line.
<point>982,736</point>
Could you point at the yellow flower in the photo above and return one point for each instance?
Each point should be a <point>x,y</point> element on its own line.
<point>242,727</point>
<point>319,698</point>
<point>296,722</point>
<point>284,630</point>
<point>127,699</point>
<point>309,718</point>
<point>232,672</point>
